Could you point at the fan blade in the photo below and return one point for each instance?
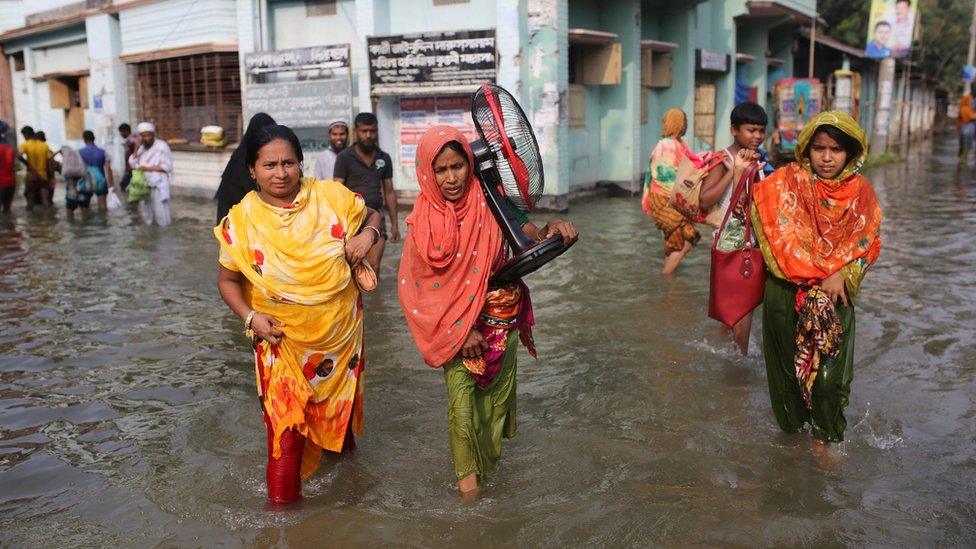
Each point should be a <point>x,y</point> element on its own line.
<point>518,167</point>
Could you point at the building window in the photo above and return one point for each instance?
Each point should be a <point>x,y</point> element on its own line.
<point>320,7</point>
<point>183,94</point>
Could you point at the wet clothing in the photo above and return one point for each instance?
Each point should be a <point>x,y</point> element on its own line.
<point>7,178</point>
<point>311,381</point>
<point>830,388</point>
<point>479,417</point>
<point>808,229</point>
<point>236,181</point>
<point>677,229</point>
<point>363,179</point>
<point>75,194</point>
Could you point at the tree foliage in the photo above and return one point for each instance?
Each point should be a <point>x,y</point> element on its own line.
<point>940,51</point>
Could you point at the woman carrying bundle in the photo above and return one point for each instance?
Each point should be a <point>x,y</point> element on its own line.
<point>679,232</point>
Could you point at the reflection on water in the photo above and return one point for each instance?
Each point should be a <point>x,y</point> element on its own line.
<point>128,415</point>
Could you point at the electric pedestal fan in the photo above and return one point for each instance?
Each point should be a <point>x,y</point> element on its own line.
<point>507,156</point>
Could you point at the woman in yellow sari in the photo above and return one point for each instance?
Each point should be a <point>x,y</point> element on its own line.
<point>818,223</point>
<point>285,256</point>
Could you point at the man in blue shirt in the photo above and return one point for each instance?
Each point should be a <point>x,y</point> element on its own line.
<point>878,46</point>
<point>99,168</point>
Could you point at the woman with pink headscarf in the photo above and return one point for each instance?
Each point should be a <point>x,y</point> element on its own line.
<point>458,320</point>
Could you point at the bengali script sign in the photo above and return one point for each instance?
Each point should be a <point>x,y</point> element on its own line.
<point>431,62</point>
<point>319,57</point>
<point>309,104</point>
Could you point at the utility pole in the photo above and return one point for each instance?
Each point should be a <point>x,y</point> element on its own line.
<point>971,58</point>
<point>882,115</point>
<point>813,40</point>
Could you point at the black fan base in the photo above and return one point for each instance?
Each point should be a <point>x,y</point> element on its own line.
<point>528,261</point>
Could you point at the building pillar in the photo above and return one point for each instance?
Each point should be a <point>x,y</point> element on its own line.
<point>544,92</point>
<point>620,124</point>
<point>108,96</point>
<point>510,17</point>
<point>882,115</point>
<point>7,91</point>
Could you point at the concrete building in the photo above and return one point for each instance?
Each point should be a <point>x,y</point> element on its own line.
<point>593,77</point>
<point>96,63</point>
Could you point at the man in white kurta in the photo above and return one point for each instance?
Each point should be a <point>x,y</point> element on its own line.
<point>154,158</point>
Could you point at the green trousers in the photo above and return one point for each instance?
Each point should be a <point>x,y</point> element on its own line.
<point>478,418</point>
<point>831,387</point>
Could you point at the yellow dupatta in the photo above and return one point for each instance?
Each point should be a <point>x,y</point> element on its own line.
<point>809,227</point>
<point>294,264</point>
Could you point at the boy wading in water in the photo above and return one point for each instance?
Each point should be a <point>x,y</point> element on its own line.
<point>748,133</point>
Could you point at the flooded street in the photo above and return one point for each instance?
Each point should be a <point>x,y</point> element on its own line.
<point>128,414</point>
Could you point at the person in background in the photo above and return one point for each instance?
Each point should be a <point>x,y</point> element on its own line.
<point>8,181</point>
<point>748,129</point>
<point>367,170</point>
<point>37,156</point>
<point>338,139</point>
<point>966,125</point>
<point>99,168</point>
<point>78,190</point>
<point>154,158</point>
<point>236,181</point>
<point>130,143</point>
<point>679,232</point>
<point>818,224</point>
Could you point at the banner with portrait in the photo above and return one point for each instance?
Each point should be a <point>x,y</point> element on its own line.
<point>891,27</point>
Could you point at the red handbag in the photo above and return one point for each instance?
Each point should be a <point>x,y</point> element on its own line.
<point>738,276</point>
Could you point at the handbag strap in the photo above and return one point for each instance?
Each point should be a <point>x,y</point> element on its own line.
<point>745,183</point>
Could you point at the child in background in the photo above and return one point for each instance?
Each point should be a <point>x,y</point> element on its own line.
<point>748,129</point>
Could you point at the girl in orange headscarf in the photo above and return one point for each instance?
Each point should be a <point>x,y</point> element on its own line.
<point>458,320</point>
<point>818,223</point>
<point>680,233</point>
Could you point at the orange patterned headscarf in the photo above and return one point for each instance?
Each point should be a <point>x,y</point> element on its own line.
<point>810,228</point>
<point>447,257</point>
<point>673,123</point>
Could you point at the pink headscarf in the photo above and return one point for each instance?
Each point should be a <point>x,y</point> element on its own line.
<point>447,256</point>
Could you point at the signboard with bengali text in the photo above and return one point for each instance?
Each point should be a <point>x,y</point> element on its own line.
<point>298,59</point>
<point>306,104</point>
<point>431,63</point>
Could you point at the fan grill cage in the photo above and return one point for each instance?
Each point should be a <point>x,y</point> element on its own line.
<point>515,126</point>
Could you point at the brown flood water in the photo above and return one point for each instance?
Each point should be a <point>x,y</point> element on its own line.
<point>128,415</point>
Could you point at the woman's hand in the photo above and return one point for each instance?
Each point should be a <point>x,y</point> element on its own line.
<point>267,328</point>
<point>833,286</point>
<point>357,246</point>
<point>564,228</point>
<point>475,345</point>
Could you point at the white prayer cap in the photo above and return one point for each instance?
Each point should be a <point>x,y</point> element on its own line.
<point>144,127</point>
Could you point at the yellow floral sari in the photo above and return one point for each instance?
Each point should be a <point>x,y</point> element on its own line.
<point>295,269</point>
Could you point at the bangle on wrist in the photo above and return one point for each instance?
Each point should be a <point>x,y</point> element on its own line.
<point>375,230</point>
<point>247,324</point>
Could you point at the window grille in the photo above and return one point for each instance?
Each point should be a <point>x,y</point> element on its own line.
<point>183,94</point>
